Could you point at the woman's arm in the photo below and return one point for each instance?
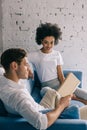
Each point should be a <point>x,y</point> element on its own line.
<point>60,74</point>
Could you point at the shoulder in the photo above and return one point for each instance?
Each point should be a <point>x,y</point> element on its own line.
<point>56,52</point>
<point>33,53</point>
<point>3,80</point>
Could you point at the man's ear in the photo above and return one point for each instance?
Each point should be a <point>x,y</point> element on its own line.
<point>14,65</point>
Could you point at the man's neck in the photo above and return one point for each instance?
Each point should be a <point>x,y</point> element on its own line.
<point>11,77</point>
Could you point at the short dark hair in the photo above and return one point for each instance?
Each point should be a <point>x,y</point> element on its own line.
<point>10,55</point>
<point>48,29</point>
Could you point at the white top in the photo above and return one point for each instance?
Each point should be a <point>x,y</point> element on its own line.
<point>17,99</point>
<point>46,64</point>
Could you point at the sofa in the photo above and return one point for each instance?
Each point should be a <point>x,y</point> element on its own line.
<point>12,122</point>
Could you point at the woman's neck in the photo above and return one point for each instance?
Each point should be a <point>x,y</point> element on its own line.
<point>45,51</point>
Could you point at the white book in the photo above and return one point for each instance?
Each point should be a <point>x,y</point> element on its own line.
<point>69,85</point>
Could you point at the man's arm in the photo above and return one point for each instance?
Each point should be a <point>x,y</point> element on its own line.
<point>54,114</point>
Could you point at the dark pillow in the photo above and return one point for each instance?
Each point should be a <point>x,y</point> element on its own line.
<point>3,111</point>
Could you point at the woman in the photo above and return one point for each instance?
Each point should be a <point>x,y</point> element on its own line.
<point>48,62</point>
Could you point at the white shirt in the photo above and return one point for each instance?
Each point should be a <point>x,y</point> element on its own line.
<point>17,99</point>
<point>46,64</point>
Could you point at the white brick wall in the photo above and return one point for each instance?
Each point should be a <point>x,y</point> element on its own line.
<point>21,17</point>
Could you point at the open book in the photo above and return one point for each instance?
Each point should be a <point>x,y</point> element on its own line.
<point>69,85</point>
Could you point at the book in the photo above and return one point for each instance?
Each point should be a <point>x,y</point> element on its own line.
<point>69,85</point>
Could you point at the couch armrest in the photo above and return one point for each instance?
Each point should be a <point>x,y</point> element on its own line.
<point>13,123</point>
<point>69,124</point>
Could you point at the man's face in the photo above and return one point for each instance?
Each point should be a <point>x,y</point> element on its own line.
<point>22,70</point>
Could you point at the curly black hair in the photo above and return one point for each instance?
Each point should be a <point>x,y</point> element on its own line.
<point>48,29</point>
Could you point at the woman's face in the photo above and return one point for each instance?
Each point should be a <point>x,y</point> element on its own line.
<point>48,44</point>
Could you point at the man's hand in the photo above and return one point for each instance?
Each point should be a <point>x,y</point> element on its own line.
<point>53,115</point>
<point>30,73</point>
<point>65,101</point>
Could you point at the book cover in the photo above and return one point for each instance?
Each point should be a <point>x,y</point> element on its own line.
<point>69,85</point>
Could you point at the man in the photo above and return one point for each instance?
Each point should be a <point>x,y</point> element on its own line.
<point>15,96</point>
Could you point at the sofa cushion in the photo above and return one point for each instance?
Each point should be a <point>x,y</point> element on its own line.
<point>72,112</point>
<point>78,74</point>
<point>3,111</point>
<point>36,94</point>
